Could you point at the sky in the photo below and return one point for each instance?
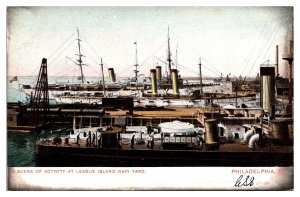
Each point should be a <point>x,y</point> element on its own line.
<point>232,40</point>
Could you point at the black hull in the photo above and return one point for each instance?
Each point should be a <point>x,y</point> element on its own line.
<point>55,156</point>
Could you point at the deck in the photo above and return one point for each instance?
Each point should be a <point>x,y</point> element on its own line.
<point>125,143</point>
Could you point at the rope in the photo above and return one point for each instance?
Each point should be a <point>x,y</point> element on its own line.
<point>61,46</point>
<point>256,43</point>
<point>203,65</point>
<point>276,29</point>
<point>197,53</point>
<point>61,52</point>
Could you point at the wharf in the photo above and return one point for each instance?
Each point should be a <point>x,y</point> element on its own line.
<point>162,113</point>
<point>21,128</point>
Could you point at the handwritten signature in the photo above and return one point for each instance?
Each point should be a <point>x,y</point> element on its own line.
<point>248,181</point>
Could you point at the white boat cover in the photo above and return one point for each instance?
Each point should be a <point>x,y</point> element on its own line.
<point>177,127</point>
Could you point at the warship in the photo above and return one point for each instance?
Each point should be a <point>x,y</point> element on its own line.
<point>163,122</point>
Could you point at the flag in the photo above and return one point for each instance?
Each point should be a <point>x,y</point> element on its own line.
<point>15,78</point>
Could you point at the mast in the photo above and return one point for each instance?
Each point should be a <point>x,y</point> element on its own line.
<point>103,78</point>
<point>176,57</point>
<point>74,121</point>
<point>136,66</point>
<point>136,63</point>
<point>79,56</point>
<point>236,91</point>
<point>169,55</point>
<point>200,73</point>
<point>277,62</point>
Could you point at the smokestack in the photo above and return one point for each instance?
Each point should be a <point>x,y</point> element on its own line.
<point>279,131</point>
<point>175,81</point>
<point>267,89</point>
<point>291,61</point>
<point>153,82</point>
<point>291,47</point>
<point>277,61</point>
<point>211,131</point>
<point>158,73</point>
<point>289,56</point>
<point>111,74</point>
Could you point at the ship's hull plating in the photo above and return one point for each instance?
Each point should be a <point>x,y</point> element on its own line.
<point>79,156</point>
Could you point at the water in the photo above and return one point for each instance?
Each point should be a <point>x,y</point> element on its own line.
<point>21,145</point>
<point>20,149</point>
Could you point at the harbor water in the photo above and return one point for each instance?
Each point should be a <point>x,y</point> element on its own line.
<point>21,145</point>
<point>20,149</point>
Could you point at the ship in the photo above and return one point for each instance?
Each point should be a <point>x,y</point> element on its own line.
<point>183,127</point>
<point>225,136</point>
<point>151,91</point>
<point>172,144</point>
